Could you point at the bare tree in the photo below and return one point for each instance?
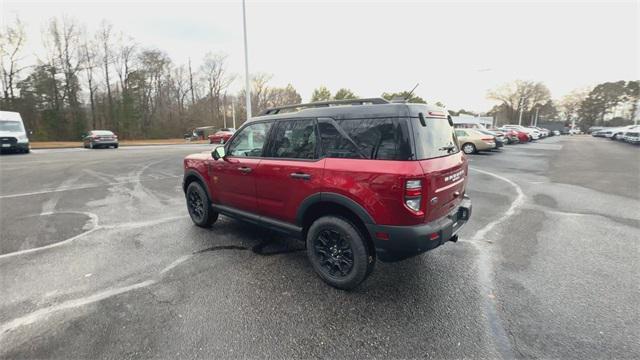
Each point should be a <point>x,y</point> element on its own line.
<point>12,39</point>
<point>126,52</point>
<point>90,53</point>
<point>104,38</point>
<point>215,75</point>
<point>520,96</point>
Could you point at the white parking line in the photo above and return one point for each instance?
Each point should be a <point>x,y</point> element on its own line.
<point>485,271</point>
<point>82,187</point>
<point>45,312</point>
<point>95,226</point>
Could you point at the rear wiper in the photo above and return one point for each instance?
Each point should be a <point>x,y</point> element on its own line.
<point>449,148</point>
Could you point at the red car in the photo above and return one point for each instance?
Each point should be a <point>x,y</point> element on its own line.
<point>372,180</point>
<point>522,137</point>
<point>221,136</point>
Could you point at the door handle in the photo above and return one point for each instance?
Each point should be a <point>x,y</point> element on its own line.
<point>302,176</point>
<point>245,169</point>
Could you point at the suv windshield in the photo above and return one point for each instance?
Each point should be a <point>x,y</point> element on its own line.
<point>11,126</point>
<point>435,139</point>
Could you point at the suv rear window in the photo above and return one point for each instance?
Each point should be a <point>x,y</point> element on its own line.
<point>381,138</point>
<point>434,140</point>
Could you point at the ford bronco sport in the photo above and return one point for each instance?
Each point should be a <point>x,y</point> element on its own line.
<point>357,180</point>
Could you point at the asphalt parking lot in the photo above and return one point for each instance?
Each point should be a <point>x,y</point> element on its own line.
<point>98,259</point>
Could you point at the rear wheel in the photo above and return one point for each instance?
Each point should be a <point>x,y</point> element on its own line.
<point>469,148</point>
<point>115,146</point>
<point>199,206</point>
<point>338,253</point>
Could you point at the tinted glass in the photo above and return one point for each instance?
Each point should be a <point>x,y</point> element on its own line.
<point>436,139</point>
<point>383,139</point>
<point>294,140</point>
<point>460,133</point>
<point>102,132</point>
<point>250,140</point>
<point>12,126</point>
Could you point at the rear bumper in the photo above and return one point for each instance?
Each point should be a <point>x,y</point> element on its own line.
<point>407,241</point>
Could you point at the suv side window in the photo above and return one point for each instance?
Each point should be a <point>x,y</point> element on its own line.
<point>461,133</point>
<point>383,139</point>
<point>295,139</point>
<point>250,140</point>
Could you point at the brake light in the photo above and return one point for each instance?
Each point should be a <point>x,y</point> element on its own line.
<point>487,139</point>
<point>413,194</point>
<point>437,114</point>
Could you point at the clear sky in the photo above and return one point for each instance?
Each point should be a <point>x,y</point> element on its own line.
<point>456,50</point>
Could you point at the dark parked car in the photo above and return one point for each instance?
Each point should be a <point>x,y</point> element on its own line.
<point>357,180</point>
<point>100,138</point>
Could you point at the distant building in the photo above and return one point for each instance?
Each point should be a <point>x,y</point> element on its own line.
<point>486,121</point>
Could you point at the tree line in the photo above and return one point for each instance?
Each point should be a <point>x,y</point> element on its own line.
<point>106,80</point>
<point>609,103</point>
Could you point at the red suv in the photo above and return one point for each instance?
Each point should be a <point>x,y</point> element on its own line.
<point>356,179</point>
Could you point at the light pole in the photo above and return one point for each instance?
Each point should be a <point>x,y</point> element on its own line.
<point>520,106</point>
<point>247,89</point>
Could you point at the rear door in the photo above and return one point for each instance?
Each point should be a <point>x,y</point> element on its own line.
<point>444,165</point>
<point>290,171</point>
<point>233,178</point>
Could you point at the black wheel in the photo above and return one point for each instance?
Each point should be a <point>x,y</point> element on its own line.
<point>115,146</point>
<point>469,148</point>
<point>199,206</point>
<point>338,253</point>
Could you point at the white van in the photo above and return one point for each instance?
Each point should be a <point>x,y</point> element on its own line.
<point>13,136</point>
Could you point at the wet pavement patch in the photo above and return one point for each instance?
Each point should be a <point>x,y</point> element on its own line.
<point>265,247</point>
<point>40,230</point>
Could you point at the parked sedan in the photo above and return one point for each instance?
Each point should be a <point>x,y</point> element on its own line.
<point>100,138</point>
<point>221,136</point>
<point>472,141</point>
<point>498,137</point>
<point>632,137</point>
<point>522,136</point>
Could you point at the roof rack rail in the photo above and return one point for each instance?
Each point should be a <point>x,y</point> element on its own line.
<point>276,110</point>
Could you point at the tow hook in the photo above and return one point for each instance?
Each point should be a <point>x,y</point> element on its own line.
<point>454,238</point>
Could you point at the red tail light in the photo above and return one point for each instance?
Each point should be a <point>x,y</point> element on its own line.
<point>413,195</point>
<point>487,139</point>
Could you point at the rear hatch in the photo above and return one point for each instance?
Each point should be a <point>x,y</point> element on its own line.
<point>444,165</point>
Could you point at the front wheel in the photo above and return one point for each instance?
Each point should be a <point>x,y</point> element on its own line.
<point>199,206</point>
<point>338,253</point>
<point>469,148</point>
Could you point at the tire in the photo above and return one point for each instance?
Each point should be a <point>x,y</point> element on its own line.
<point>115,146</point>
<point>349,263</point>
<point>468,148</point>
<point>614,137</point>
<point>199,206</point>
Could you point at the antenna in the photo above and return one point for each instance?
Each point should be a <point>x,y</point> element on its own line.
<point>412,90</point>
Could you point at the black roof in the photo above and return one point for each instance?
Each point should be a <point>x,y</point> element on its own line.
<point>349,110</point>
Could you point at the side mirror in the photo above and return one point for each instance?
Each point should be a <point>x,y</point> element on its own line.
<point>218,153</point>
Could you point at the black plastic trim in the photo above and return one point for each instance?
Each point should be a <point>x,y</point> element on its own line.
<point>192,172</point>
<point>267,222</point>
<point>334,198</point>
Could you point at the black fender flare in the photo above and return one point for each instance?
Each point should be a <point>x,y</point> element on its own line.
<point>332,198</point>
<point>194,173</point>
